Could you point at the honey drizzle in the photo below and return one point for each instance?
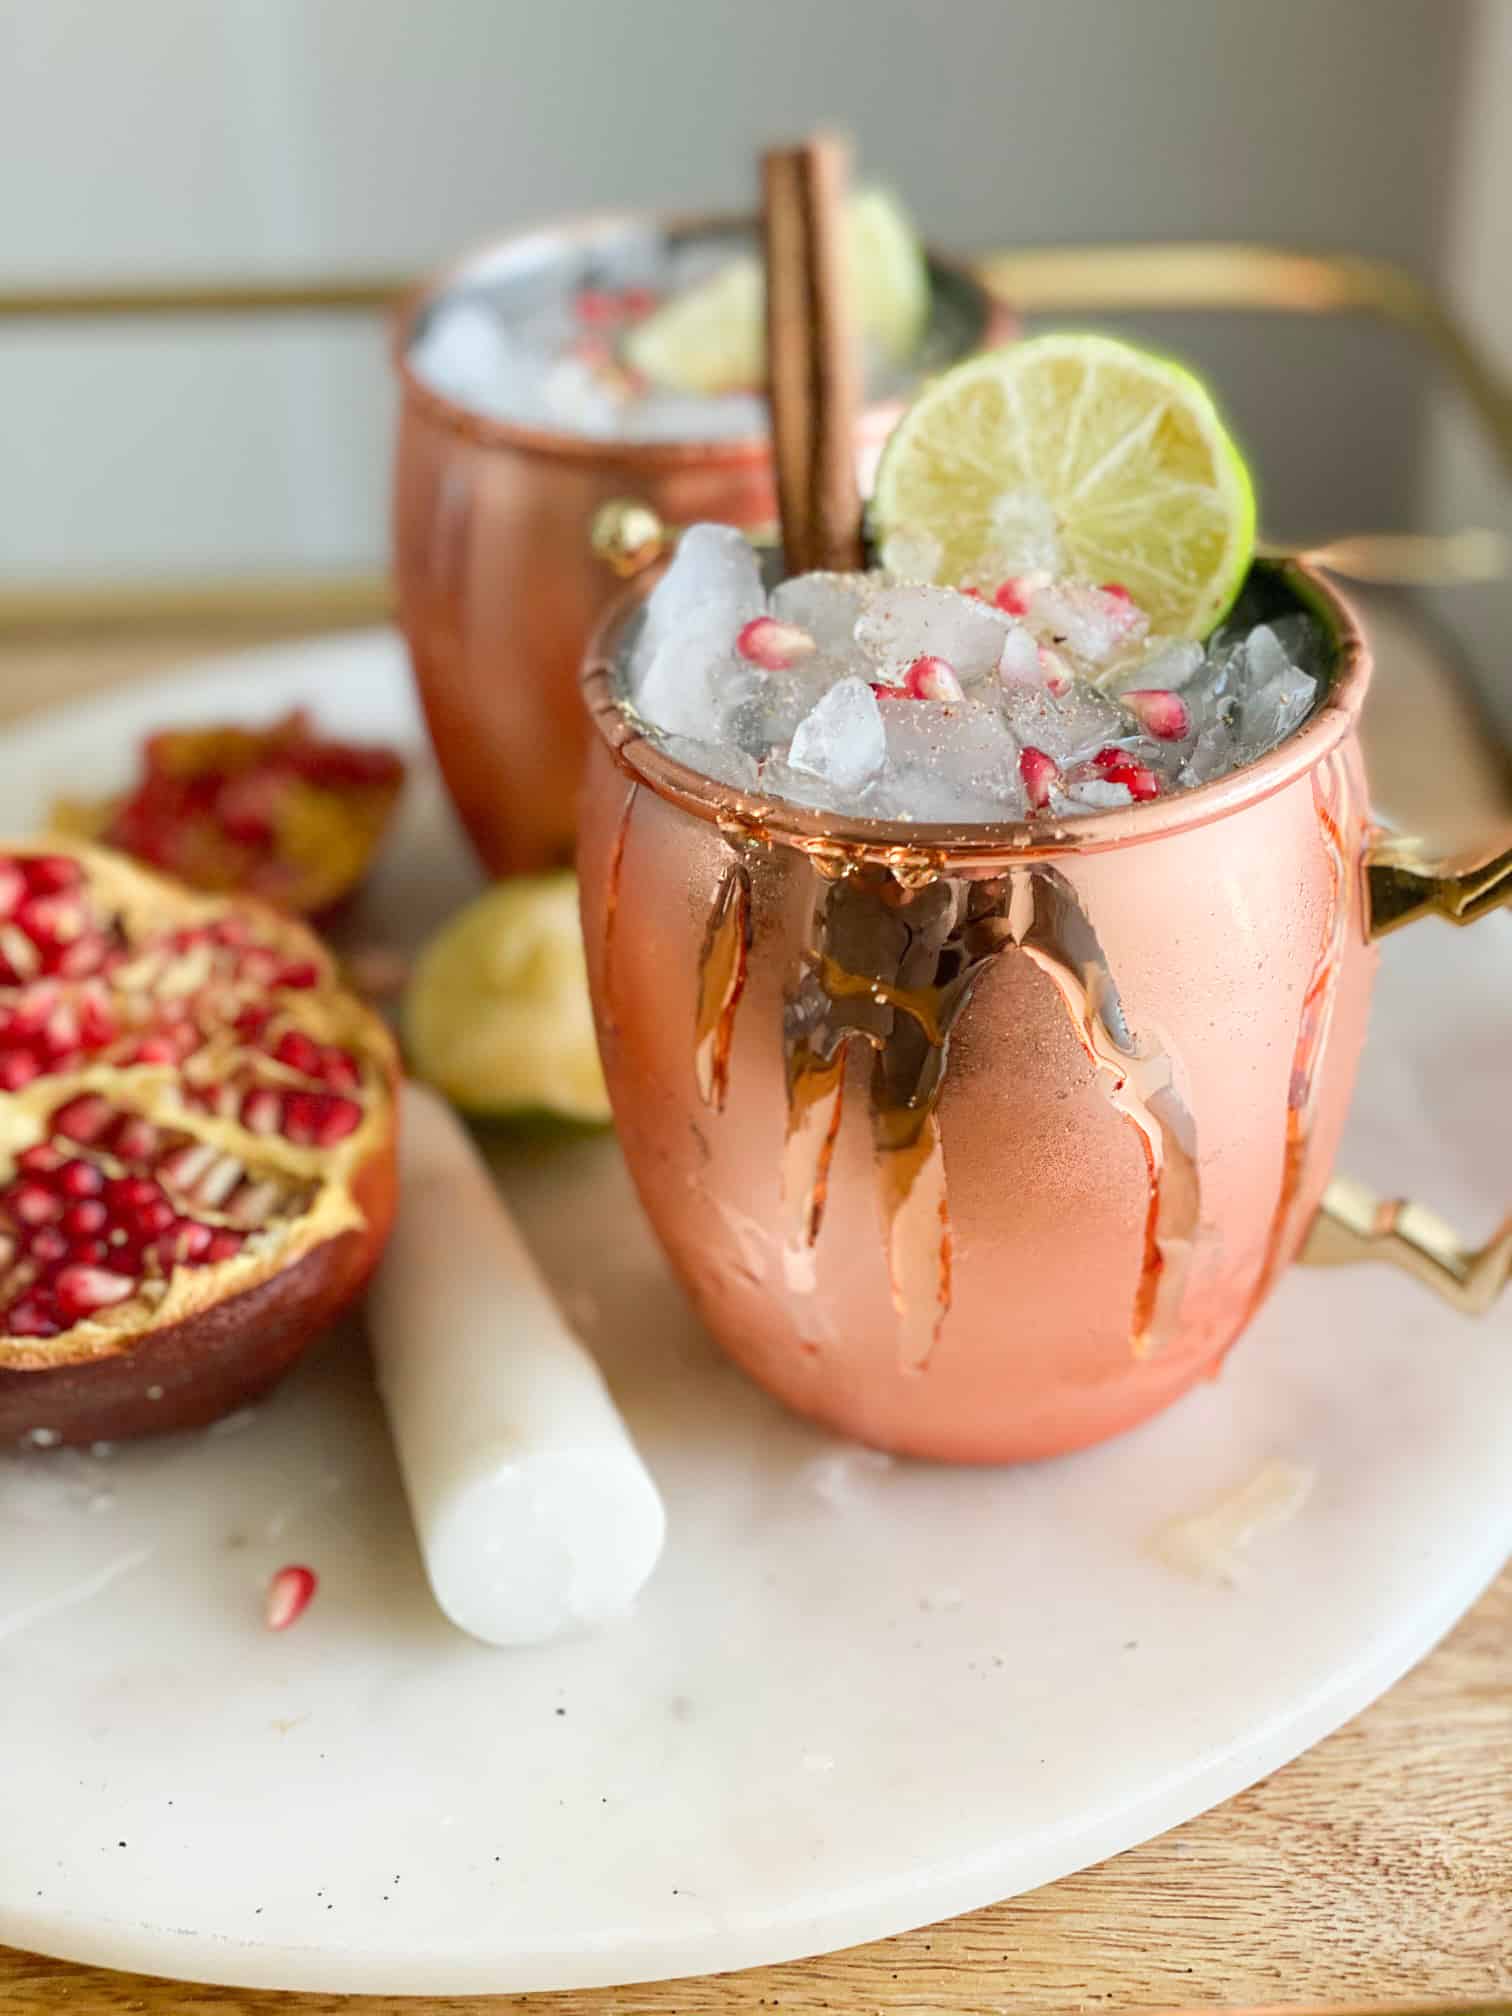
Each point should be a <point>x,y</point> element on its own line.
<point>1331,798</point>
<point>611,902</point>
<point>721,982</point>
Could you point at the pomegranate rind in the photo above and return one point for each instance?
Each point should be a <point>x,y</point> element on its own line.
<point>219,1333</point>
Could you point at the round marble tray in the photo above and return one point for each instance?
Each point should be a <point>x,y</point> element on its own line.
<point>856,1697</point>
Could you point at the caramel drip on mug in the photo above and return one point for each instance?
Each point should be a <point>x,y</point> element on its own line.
<point>611,903</point>
<point>721,982</point>
<point>1139,1084</point>
<point>1331,797</point>
<point>891,966</point>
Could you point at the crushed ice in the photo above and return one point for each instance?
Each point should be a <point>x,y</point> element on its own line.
<point>1039,665</point>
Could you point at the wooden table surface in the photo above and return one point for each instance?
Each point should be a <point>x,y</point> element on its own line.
<point>1374,1872</point>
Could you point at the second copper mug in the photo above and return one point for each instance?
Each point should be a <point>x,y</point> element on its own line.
<point>498,591</point>
<point>985,1144</point>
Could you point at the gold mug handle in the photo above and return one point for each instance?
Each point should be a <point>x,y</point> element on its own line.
<point>1352,1222</point>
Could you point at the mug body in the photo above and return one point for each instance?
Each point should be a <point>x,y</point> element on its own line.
<point>498,591</point>
<point>982,1146</point>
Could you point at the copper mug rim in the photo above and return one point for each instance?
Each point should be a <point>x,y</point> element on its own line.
<point>903,843</point>
<point>607,450</point>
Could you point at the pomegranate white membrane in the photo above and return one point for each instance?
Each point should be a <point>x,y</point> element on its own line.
<point>884,696</point>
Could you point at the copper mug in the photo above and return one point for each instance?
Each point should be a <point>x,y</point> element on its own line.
<point>498,591</point>
<point>984,1144</point>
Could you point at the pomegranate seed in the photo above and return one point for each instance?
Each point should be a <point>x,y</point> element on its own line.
<point>47,1245</point>
<point>319,1120</point>
<point>90,1251</point>
<point>86,1218</point>
<point>299,973</point>
<point>258,967</point>
<point>41,1159</point>
<point>33,1315</point>
<point>85,955</point>
<point>18,1068</point>
<point>83,1290</point>
<point>1040,775</point>
<point>190,1240</point>
<point>153,1050</point>
<point>596,304</point>
<point>299,1052</point>
<point>83,1119</point>
<point>80,1179</point>
<point>339,1071</point>
<point>223,1246</point>
<point>1012,597</point>
<point>289,1595</point>
<point>228,931</point>
<point>890,692</point>
<point>131,1193</point>
<point>251,1022</point>
<point>136,1139</point>
<point>975,594</point>
<point>1055,673</point>
<point>1117,590</point>
<point>1119,767</point>
<point>62,1031</point>
<point>47,874</point>
<point>772,645</point>
<point>151,1219</point>
<point>932,679</point>
<point>51,921</point>
<point>12,887</point>
<point>1161,713</point>
<point>262,1111</point>
<point>97,1026</point>
<point>30,1204</point>
<point>216,1185</point>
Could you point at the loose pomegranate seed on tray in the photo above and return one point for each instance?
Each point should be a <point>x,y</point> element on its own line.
<point>196,1147</point>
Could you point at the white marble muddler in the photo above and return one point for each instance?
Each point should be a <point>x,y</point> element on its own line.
<point>534,1512</point>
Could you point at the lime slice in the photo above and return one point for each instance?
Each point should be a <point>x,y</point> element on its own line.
<point>889,272</point>
<point>1118,457</point>
<point>711,339</point>
<point>496,1015</point>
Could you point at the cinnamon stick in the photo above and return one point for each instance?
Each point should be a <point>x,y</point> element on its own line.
<point>813,357</point>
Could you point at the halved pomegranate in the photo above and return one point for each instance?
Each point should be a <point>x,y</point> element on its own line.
<point>279,813</point>
<point>196,1147</point>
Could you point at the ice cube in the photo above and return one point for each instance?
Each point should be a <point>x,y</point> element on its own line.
<point>1168,662</point>
<point>1212,756</point>
<point>842,739</point>
<point>916,621</point>
<point>826,605</point>
<point>719,760</point>
<point>1272,694</point>
<point>1093,624</point>
<point>910,554</point>
<point>1019,660</point>
<point>1098,794</point>
<point>712,588</point>
<point>1070,729</point>
<point>691,685</point>
<point>953,762</point>
<point>464,354</point>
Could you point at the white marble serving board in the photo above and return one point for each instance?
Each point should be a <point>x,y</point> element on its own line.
<point>857,1696</point>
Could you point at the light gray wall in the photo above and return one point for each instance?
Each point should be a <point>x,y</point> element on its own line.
<point>177,137</point>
